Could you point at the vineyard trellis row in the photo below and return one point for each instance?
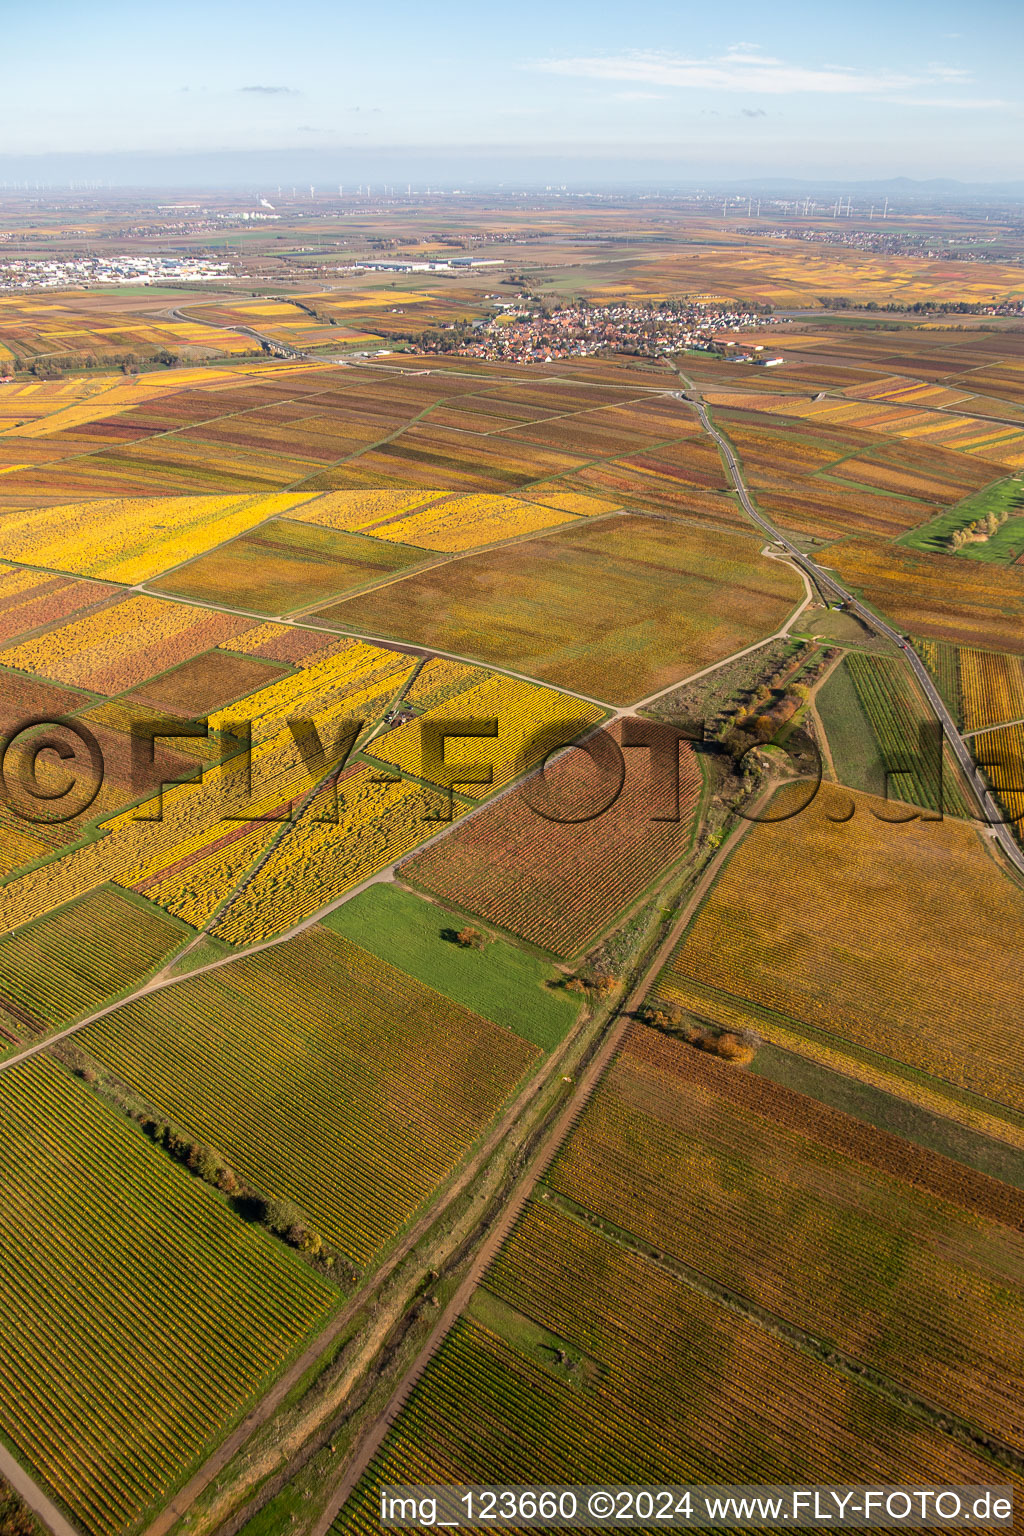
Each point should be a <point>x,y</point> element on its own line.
<point>323,1075</point>
<point>140,1314</point>
<point>853,1253</point>
<point>558,884</point>
<point>755,1408</point>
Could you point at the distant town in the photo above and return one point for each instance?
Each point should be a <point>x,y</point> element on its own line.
<point>521,334</point>
<point>78,271</point>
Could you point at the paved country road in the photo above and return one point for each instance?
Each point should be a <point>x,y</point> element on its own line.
<point>992,813</point>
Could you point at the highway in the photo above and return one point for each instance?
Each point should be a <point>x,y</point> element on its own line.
<point>992,814</point>
<point>281,348</point>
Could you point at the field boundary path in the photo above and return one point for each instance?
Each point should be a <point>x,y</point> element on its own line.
<point>583,1090</point>
<point>38,1502</point>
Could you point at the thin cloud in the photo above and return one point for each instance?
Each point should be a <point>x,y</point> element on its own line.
<point>744,68</point>
<point>947,72</point>
<point>269,90</point>
<point>753,112</point>
<point>958,103</point>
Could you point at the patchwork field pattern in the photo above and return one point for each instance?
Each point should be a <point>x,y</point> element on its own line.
<point>716,1279</point>
<point>131,539</point>
<point>437,520</point>
<point>995,442</point>
<point>827,474</point>
<point>754,1409</point>
<point>942,660</point>
<point>441,679</point>
<point>282,642</point>
<point>765,1192</point>
<point>294,323</point>
<point>614,609</point>
<point>104,326</point>
<point>111,1254</point>
<point>933,596</point>
<point>284,566</point>
<point>32,599</point>
<point>121,645</point>
<point>307,1066</point>
<point>246,429</point>
<point>163,835</point>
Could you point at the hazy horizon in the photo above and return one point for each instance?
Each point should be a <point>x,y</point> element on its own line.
<point>443,170</point>
<point>646,95</point>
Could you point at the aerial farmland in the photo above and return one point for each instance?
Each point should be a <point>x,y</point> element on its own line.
<point>511,828</point>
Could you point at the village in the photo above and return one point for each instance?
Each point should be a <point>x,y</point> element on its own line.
<point>527,334</point>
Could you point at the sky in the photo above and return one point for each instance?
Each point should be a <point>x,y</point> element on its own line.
<point>873,90</point>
